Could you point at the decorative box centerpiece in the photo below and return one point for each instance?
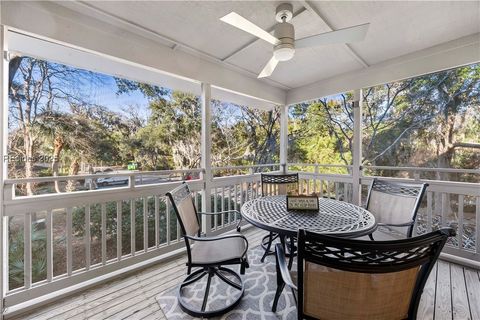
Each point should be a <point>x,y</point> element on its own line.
<point>302,203</point>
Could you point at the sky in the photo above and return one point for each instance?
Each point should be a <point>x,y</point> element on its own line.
<point>106,95</point>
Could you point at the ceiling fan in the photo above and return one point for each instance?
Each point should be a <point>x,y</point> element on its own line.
<point>283,40</point>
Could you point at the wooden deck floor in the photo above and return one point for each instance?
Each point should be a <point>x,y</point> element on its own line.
<point>452,292</point>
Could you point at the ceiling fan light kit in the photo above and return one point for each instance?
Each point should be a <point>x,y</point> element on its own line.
<point>285,49</point>
<point>283,40</point>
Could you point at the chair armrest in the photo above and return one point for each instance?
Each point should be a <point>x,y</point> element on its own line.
<point>221,212</point>
<point>216,213</point>
<point>282,266</point>
<point>222,237</point>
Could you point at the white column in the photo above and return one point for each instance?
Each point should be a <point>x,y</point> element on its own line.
<point>357,145</point>
<point>206,148</point>
<point>3,170</point>
<point>283,137</point>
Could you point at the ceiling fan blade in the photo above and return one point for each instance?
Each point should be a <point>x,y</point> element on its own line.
<point>269,67</point>
<point>241,23</point>
<point>347,35</point>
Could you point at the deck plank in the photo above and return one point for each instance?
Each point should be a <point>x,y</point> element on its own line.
<point>151,285</point>
<point>443,294</point>
<point>461,309</point>
<point>472,282</point>
<point>426,308</point>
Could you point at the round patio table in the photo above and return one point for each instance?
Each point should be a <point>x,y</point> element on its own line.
<point>336,218</point>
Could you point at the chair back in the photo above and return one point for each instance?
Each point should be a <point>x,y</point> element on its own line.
<point>279,184</point>
<point>355,279</point>
<point>395,203</point>
<point>185,210</point>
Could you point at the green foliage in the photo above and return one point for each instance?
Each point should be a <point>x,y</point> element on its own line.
<point>322,131</point>
<point>16,254</point>
<point>432,121</point>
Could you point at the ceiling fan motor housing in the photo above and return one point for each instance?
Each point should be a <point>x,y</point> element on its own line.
<point>284,12</point>
<point>286,48</point>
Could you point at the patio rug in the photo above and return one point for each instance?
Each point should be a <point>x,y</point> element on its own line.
<point>260,285</point>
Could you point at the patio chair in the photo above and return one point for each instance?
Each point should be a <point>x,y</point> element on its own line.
<point>276,184</point>
<point>340,278</point>
<point>210,254</point>
<point>395,206</point>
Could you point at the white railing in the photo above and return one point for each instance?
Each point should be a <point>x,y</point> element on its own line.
<point>447,203</point>
<point>232,191</point>
<point>110,229</point>
<point>118,227</point>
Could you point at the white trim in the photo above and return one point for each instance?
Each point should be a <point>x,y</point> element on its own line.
<point>462,51</point>
<point>3,169</point>
<point>206,157</point>
<point>283,137</point>
<point>357,146</point>
<point>460,260</point>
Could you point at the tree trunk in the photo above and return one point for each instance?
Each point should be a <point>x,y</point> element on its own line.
<point>74,168</point>
<point>58,144</point>
<point>28,145</point>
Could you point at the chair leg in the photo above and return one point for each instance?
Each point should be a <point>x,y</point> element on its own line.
<point>280,283</point>
<point>233,279</point>
<point>244,265</point>
<point>292,253</point>
<point>207,290</point>
<point>228,281</point>
<point>267,249</point>
<point>201,274</point>
<point>278,293</point>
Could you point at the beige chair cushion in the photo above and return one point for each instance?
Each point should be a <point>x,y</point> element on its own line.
<point>384,233</point>
<point>337,295</point>
<point>187,215</point>
<point>389,208</point>
<point>218,250</point>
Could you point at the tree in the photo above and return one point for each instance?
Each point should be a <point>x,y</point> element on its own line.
<point>452,95</point>
<point>76,134</point>
<point>418,121</point>
<point>37,88</point>
<point>242,135</point>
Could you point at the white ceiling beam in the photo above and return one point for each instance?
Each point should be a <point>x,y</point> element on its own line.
<point>90,9</point>
<point>250,43</point>
<point>451,54</point>
<point>322,18</point>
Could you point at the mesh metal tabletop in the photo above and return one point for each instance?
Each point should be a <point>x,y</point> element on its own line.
<point>333,217</point>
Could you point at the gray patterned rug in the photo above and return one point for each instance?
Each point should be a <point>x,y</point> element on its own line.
<point>260,286</point>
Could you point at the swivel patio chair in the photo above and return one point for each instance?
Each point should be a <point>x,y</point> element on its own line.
<point>395,206</point>
<point>210,255</point>
<point>276,184</point>
<point>340,278</point>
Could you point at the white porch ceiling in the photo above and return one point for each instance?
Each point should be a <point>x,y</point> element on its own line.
<point>396,28</point>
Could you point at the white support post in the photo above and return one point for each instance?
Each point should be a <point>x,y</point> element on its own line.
<point>283,138</point>
<point>3,170</point>
<point>357,146</point>
<point>206,148</point>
